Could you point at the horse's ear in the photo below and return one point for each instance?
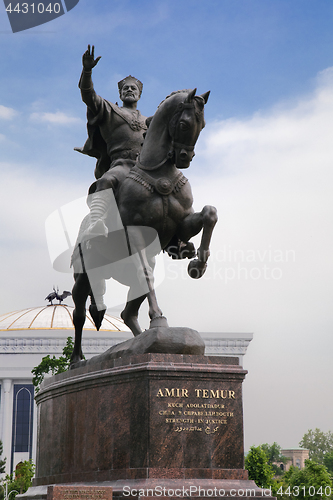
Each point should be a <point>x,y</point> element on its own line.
<point>190,95</point>
<point>205,96</point>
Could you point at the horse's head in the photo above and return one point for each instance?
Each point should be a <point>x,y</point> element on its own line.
<point>185,127</point>
<point>174,130</point>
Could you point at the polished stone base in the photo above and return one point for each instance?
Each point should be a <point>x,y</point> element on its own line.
<point>149,489</point>
<point>143,421</point>
<point>150,415</point>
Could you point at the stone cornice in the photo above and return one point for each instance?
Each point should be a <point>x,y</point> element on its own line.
<point>234,344</point>
<point>55,345</point>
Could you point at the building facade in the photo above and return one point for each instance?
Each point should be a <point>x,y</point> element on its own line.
<point>296,457</point>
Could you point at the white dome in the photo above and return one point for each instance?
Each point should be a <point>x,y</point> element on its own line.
<point>55,317</point>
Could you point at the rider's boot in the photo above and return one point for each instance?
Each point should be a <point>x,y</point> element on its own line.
<point>99,204</point>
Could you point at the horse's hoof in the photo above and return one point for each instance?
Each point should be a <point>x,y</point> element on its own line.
<point>74,360</point>
<point>159,321</point>
<point>97,315</point>
<point>196,269</point>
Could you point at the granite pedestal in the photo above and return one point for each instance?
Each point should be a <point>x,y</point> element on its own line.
<point>144,422</point>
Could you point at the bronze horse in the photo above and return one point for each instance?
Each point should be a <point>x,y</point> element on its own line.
<point>154,198</point>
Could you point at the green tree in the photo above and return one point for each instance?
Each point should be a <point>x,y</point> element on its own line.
<point>273,452</point>
<point>260,471</point>
<point>282,490</point>
<point>328,461</point>
<point>2,462</point>
<point>53,365</point>
<point>311,483</point>
<point>21,481</point>
<point>318,443</point>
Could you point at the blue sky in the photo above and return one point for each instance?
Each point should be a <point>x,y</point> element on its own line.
<point>264,160</point>
<point>250,54</point>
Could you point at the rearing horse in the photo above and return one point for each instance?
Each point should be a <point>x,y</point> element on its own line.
<point>154,198</point>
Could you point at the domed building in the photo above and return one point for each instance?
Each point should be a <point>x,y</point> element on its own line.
<point>25,338</point>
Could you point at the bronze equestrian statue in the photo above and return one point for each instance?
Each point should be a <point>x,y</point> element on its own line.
<point>153,198</point>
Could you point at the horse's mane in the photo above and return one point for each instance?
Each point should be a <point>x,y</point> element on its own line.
<point>198,113</point>
<point>174,93</point>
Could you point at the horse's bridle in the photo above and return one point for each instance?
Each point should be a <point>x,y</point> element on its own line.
<point>180,107</point>
<point>177,145</point>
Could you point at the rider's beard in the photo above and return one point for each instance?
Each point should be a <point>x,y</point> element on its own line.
<point>130,97</point>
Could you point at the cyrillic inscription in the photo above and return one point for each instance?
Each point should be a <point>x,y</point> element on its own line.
<point>79,493</point>
<point>188,416</point>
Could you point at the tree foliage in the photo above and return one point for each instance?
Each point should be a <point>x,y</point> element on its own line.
<point>273,452</point>
<point>282,484</point>
<point>21,480</point>
<point>318,443</point>
<point>259,469</point>
<point>2,469</point>
<point>53,365</point>
<point>311,481</point>
<point>328,461</point>
<point>2,462</point>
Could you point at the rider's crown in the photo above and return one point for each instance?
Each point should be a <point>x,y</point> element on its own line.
<point>128,79</point>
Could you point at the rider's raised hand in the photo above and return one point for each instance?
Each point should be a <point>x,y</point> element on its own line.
<point>88,59</point>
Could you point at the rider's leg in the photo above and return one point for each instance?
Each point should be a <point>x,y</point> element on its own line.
<point>101,193</point>
<point>99,202</point>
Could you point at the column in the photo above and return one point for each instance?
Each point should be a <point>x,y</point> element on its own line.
<point>7,421</point>
<point>34,435</point>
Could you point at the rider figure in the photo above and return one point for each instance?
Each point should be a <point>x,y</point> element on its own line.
<point>115,136</point>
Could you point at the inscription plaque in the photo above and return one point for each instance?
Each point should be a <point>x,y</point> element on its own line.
<point>202,410</point>
<point>68,492</point>
<point>196,421</point>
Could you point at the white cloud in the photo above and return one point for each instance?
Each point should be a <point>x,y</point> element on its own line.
<point>287,131</point>
<point>26,200</point>
<point>7,113</point>
<point>57,118</point>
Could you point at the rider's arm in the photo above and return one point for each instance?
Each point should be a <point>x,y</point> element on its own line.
<point>88,94</point>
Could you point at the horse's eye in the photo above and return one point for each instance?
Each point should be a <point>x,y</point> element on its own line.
<point>183,126</point>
